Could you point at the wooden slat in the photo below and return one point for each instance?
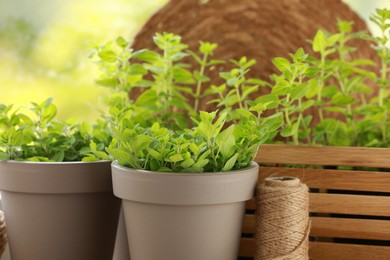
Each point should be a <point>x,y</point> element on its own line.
<point>248,225</point>
<point>326,251</point>
<point>344,204</point>
<point>333,179</point>
<point>247,247</point>
<point>337,227</point>
<point>251,204</point>
<point>350,204</point>
<point>350,228</point>
<point>324,155</point>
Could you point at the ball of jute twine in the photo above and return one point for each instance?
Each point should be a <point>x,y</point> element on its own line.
<point>282,219</point>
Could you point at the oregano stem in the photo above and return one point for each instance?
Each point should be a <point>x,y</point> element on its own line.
<point>286,110</point>
<point>382,85</point>
<point>320,87</point>
<point>199,83</point>
<point>167,84</point>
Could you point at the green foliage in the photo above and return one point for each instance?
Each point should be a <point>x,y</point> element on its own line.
<point>319,99</point>
<point>43,138</point>
<point>336,87</point>
<point>162,77</point>
<point>207,147</point>
<point>151,131</point>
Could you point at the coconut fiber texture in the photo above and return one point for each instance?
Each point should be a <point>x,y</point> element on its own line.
<point>282,219</point>
<point>259,29</point>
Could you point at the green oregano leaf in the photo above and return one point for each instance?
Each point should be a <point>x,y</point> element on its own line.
<point>230,163</point>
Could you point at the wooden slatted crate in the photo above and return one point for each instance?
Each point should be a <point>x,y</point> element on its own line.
<point>349,207</point>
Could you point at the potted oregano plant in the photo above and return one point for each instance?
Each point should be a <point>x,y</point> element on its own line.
<point>56,205</point>
<point>183,174</point>
<point>335,100</point>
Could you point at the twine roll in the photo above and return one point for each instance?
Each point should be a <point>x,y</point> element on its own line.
<point>282,219</point>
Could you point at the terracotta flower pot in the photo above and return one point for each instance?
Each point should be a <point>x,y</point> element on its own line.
<point>176,216</point>
<point>59,210</point>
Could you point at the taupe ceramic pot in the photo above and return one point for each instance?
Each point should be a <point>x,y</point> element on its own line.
<point>176,216</point>
<point>59,211</point>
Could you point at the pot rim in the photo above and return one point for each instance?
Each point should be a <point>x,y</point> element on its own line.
<point>55,177</point>
<point>51,163</point>
<point>252,165</point>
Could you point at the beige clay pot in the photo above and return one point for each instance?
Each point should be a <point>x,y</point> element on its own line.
<point>59,211</point>
<point>184,216</point>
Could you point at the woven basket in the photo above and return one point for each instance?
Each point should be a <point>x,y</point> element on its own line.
<point>3,233</point>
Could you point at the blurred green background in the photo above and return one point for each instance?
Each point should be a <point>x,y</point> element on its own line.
<point>44,46</point>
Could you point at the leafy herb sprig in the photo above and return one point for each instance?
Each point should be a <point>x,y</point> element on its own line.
<point>176,136</point>
<point>162,78</point>
<point>207,147</point>
<point>328,100</point>
<point>40,137</point>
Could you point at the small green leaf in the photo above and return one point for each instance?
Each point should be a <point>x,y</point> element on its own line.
<point>108,82</point>
<point>335,109</point>
<point>107,55</point>
<point>137,69</point>
<point>274,121</point>
<point>312,89</point>
<point>207,48</point>
<point>121,42</point>
<point>226,142</point>
<point>258,107</point>
<point>101,155</point>
<point>89,158</point>
<point>215,62</point>
<point>146,55</point>
<point>48,113</point>
<point>282,64</point>
<point>86,129</point>
<point>333,39</point>
<point>230,163</point>
<point>58,156</point>
<point>246,91</point>
<point>200,77</point>
<point>319,42</point>
<point>200,163</point>
<point>182,75</point>
<point>121,156</point>
<point>187,163</point>
<point>299,91</point>
<point>282,87</point>
<point>147,98</point>
<point>311,72</point>
<point>330,91</point>
<point>289,130</point>
<point>342,100</point>
<point>176,158</point>
<point>307,120</point>
<point>178,56</point>
<point>271,99</point>
<point>344,26</point>
<point>155,154</point>
<point>307,104</point>
<point>195,149</point>
<point>140,142</point>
